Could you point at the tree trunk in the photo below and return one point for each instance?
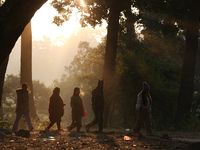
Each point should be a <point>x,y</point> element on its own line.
<point>2,77</point>
<point>130,35</point>
<point>14,16</point>
<point>110,55</point>
<point>26,65</point>
<point>129,40</point>
<point>189,63</point>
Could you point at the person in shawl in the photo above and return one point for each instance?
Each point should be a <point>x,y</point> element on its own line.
<point>56,109</point>
<point>143,107</point>
<point>22,107</point>
<point>78,110</point>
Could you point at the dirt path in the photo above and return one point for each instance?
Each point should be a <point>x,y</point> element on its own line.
<point>107,140</point>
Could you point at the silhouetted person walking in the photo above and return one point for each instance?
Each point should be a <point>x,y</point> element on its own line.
<point>56,109</point>
<point>22,107</point>
<point>78,110</point>
<point>97,106</point>
<point>143,107</point>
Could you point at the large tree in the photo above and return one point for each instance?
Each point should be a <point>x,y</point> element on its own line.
<point>2,76</point>
<point>111,51</point>
<point>189,64</point>
<point>26,65</point>
<point>14,16</point>
<point>167,21</point>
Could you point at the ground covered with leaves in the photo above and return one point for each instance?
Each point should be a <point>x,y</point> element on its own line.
<point>109,139</point>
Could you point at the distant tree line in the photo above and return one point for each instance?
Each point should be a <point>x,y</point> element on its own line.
<point>165,57</point>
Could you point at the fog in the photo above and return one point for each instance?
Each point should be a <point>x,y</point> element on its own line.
<point>53,47</point>
<point>50,56</point>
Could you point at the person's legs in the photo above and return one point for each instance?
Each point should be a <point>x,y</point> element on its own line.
<point>28,120</point>
<point>79,124</point>
<point>95,120</point>
<point>50,125</point>
<point>147,123</point>
<point>72,126</point>
<point>58,125</point>
<point>101,121</point>
<point>142,115</point>
<point>16,123</point>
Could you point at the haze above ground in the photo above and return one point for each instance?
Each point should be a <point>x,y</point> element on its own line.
<point>53,47</point>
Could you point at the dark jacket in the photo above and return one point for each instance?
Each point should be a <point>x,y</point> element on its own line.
<point>76,104</point>
<point>22,101</point>
<point>98,99</point>
<point>56,108</point>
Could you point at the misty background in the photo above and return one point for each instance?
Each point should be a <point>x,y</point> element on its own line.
<point>53,47</point>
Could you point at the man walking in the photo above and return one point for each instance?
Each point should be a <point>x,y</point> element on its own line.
<point>97,106</point>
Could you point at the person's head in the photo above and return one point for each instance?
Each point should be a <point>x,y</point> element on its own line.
<point>76,91</point>
<point>145,93</point>
<point>100,84</point>
<point>24,86</point>
<point>56,90</point>
<point>146,87</point>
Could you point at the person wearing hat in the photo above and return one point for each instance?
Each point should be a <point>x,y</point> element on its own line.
<point>143,107</point>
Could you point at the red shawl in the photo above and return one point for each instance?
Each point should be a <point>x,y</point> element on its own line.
<point>84,114</point>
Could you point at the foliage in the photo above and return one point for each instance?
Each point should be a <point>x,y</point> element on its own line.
<point>165,19</point>
<point>83,72</point>
<point>160,69</point>
<point>9,97</point>
<point>196,95</point>
<point>5,124</point>
<point>154,55</point>
<point>88,63</point>
<point>93,16</point>
<point>157,59</point>
<point>93,12</point>
<point>41,96</point>
<point>192,125</point>
<point>164,15</point>
<point>163,75</point>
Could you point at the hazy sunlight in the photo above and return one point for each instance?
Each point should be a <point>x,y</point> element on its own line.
<point>54,47</point>
<point>42,24</point>
<point>83,3</point>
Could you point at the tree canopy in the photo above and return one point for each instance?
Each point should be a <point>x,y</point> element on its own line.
<point>15,15</point>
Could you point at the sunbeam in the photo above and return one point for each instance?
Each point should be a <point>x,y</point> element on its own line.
<point>83,3</point>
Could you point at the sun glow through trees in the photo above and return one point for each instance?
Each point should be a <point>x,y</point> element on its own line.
<point>83,3</point>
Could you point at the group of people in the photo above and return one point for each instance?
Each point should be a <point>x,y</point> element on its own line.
<point>56,109</point>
